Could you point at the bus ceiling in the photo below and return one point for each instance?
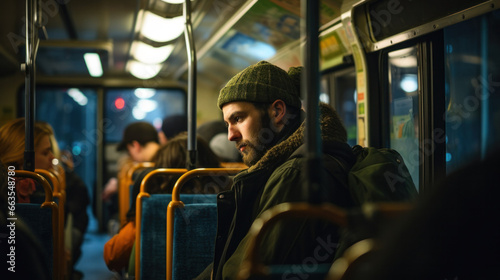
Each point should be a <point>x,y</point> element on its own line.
<point>229,35</point>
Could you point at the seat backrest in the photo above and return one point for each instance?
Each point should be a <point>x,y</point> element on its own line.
<point>59,194</point>
<point>151,264</point>
<point>194,239</point>
<point>153,231</point>
<point>43,220</point>
<point>310,268</point>
<point>39,222</point>
<point>125,181</point>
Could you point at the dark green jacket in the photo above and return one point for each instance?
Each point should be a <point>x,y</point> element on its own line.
<point>276,179</point>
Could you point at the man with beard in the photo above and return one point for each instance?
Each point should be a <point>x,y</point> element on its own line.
<point>262,110</point>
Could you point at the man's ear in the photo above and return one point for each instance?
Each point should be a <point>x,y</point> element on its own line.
<point>278,112</point>
<point>134,145</point>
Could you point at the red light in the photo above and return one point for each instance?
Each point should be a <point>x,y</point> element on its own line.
<point>119,103</point>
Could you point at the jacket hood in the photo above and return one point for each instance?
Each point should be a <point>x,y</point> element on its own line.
<point>332,130</point>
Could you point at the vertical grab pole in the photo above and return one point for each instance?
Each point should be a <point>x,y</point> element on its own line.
<point>310,94</point>
<point>191,106</point>
<point>29,88</point>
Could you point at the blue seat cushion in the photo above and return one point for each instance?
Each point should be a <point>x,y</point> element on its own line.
<point>39,222</point>
<point>153,231</point>
<point>195,228</point>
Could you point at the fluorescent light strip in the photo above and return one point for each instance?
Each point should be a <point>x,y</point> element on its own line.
<point>93,63</point>
<point>173,1</point>
<point>143,71</point>
<point>149,54</point>
<point>161,29</point>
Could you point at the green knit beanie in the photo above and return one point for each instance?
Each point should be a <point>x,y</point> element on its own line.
<point>263,83</point>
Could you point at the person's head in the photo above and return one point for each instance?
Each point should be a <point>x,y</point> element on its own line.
<point>56,152</point>
<point>172,126</point>
<point>12,144</point>
<point>215,134</point>
<point>260,106</point>
<point>140,139</point>
<point>174,155</point>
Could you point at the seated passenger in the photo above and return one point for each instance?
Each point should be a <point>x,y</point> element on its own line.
<point>215,134</point>
<point>12,146</point>
<point>31,261</point>
<point>172,155</point>
<point>171,127</point>
<point>140,140</point>
<point>77,198</point>
<point>262,110</point>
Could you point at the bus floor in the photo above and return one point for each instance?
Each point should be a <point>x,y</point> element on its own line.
<point>91,262</point>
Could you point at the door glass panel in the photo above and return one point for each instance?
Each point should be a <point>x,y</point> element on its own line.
<point>403,104</point>
<point>472,88</point>
<point>72,113</point>
<point>339,90</point>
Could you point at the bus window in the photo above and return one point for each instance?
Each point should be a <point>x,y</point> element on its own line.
<point>403,104</point>
<point>123,106</point>
<point>126,105</point>
<point>72,113</point>
<point>472,89</point>
<point>339,90</point>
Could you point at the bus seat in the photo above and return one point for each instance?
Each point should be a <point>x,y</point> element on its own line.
<point>43,220</point>
<point>175,267</point>
<point>195,228</point>
<point>158,199</point>
<point>152,232</point>
<point>59,194</point>
<point>353,260</point>
<point>125,184</point>
<point>139,175</point>
<point>358,256</point>
<point>252,268</point>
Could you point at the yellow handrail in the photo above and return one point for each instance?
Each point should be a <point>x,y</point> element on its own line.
<point>124,182</point>
<point>251,264</point>
<point>48,203</point>
<point>138,212</point>
<point>61,195</point>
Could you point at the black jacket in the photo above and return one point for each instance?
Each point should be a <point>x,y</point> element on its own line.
<point>276,179</point>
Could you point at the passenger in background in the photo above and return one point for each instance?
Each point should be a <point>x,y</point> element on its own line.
<point>209,129</point>
<point>140,140</point>
<point>172,155</point>
<point>12,146</point>
<point>77,200</point>
<point>31,261</point>
<point>215,134</point>
<point>262,110</point>
<point>171,127</point>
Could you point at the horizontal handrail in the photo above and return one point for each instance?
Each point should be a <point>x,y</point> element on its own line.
<point>251,264</point>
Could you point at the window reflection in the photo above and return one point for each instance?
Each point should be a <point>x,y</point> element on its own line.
<point>72,113</point>
<point>472,85</point>
<point>339,90</point>
<point>126,105</point>
<point>403,100</point>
